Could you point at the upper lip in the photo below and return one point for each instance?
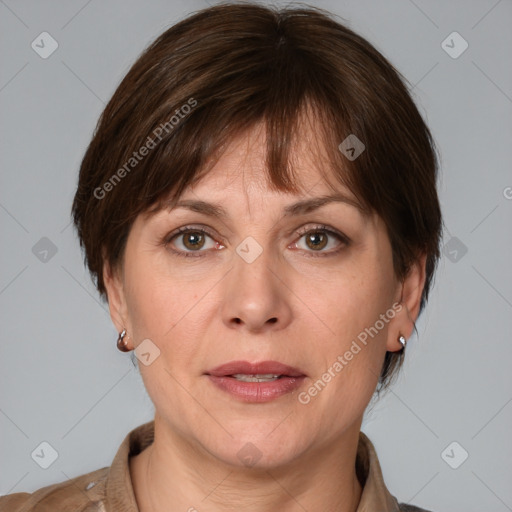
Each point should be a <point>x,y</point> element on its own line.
<point>260,368</point>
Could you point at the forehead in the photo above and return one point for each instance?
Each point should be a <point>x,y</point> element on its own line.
<point>242,163</point>
<point>238,180</point>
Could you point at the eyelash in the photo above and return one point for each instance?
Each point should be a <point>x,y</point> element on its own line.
<point>300,233</point>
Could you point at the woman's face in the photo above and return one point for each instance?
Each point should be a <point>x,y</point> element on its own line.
<point>268,282</point>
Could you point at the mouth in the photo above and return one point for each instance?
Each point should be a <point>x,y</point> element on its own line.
<point>267,370</point>
<point>255,378</point>
<point>256,382</point>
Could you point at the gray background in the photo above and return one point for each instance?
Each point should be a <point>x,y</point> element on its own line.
<point>61,378</point>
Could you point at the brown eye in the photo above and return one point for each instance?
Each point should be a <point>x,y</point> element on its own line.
<point>193,240</point>
<point>316,240</point>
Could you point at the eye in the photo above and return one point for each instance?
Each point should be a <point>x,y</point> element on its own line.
<point>189,240</point>
<point>318,238</point>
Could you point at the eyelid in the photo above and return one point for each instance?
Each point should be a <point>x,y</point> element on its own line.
<point>190,228</point>
<point>344,240</point>
<point>322,227</point>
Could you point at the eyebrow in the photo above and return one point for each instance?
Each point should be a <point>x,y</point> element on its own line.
<point>298,208</point>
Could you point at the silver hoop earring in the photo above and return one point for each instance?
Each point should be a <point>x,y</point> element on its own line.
<point>402,341</point>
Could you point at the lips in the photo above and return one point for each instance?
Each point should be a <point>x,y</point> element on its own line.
<point>256,382</point>
<point>261,368</point>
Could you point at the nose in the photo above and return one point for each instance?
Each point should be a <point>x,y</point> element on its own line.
<point>257,298</point>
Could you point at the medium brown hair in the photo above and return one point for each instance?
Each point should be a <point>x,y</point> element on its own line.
<point>226,68</point>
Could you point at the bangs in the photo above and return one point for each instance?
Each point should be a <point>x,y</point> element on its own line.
<point>181,163</point>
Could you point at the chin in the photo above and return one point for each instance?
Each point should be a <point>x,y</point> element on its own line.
<point>258,451</point>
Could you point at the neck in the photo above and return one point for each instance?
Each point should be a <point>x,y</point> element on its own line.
<point>171,475</point>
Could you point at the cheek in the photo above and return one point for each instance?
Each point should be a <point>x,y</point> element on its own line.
<point>152,304</point>
<point>350,306</point>
<point>352,298</point>
<point>163,312</point>
<point>166,308</point>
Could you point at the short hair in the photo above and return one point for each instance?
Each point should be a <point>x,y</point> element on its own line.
<point>222,70</point>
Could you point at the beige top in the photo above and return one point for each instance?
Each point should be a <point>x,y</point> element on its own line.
<point>110,489</point>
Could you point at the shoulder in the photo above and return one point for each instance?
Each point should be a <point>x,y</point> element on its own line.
<point>404,507</point>
<point>80,494</point>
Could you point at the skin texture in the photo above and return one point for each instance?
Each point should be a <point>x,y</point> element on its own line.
<point>295,304</point>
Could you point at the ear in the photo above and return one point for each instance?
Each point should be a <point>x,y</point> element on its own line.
<point>117,306</point>
<point>409,298</point>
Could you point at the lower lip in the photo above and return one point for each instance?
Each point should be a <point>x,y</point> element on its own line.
<point>257,392</point>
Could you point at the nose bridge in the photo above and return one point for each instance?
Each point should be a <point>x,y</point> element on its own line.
<point>255,297</point>
<point>253,264</point>
<point>253,272</point>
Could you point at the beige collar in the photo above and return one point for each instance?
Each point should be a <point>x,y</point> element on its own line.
<point>120,495</point>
